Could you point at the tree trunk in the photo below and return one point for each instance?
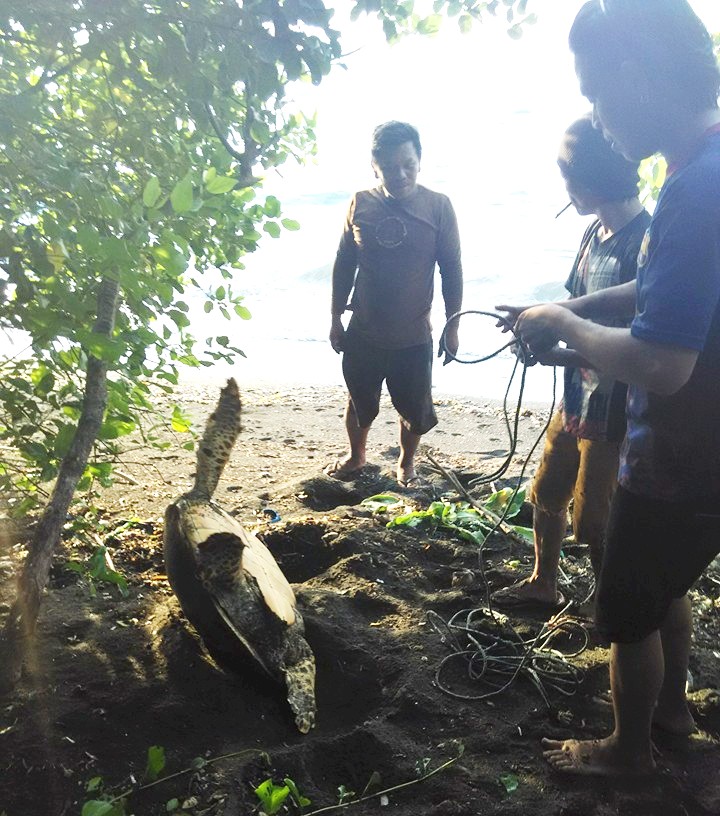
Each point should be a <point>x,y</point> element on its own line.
<point>16,638</point>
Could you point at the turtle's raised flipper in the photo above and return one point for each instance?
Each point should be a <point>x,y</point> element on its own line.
<point>221,431</point>
<point>300,682</point>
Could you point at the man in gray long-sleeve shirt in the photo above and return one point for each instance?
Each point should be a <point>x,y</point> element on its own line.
<point>394,236</point>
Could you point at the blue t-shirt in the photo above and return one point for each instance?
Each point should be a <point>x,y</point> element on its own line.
<point>672,446</point>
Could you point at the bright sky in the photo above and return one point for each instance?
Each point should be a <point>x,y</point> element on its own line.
<point>454,87</point>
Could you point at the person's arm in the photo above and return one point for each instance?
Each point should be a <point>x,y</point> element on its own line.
<point>450,265</point>
<point>563,357</point>
<point>662,369</point>
<point>343,279</point>
<point>613,302</point>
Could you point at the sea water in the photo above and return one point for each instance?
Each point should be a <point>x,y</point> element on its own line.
<point>491,113</point>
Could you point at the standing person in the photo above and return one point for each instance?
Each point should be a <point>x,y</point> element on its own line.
<point>582,446</point>
<point>651,75</point>
<point>394,236</point>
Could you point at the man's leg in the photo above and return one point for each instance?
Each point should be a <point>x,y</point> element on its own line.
<point>594,488</point>
<point>548,534</point>
<point>357,438</point>
<point>541,586</point>
<point>650,551</point>
<point>636,676</point>
<point>409,383</point>
<point>409,442</point>
<point>672,713</point>
<point>363,367</point>
<point>550,495</point>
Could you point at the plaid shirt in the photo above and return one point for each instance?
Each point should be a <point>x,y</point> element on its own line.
<point>594,406</point>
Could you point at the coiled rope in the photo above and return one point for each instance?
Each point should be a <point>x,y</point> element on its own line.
<point>494,654</point>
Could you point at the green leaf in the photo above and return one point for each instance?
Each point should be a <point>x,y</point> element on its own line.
<point>155,762</point>
<point>277,797</point>
<point>497,502</point>
<point>182,321</point>
<point>179,422</point>
<point>300,800</point>
<point>181,197</point>
<point>465,22</point>
<point>289,224</point>
<point>103,347</point>
<point>509,781</point>
<point>57,255</point>
<point>271,796</point>
<point>272,228</point>
<point>430,25</point>
<point>259,132</point>
<point>272,207</point>
<point>97,808</point>
<point>99,568</point>
<point>525,532</point>
<point>172,805</point>
<point>151,193</point>
<point>242,312</point>
<point>115,428</point>
<point>220,185</point>
<point>380,502</point>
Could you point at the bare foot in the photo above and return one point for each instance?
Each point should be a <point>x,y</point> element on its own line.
<point>528,592</point>
<point>344,468</point>
<point>594,758</point>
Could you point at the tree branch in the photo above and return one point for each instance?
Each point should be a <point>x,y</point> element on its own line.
<point>247,159</point>
<point>16,638</point>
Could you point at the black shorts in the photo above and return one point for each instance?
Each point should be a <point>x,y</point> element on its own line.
<point>655,551</point>
<point>407,372</point>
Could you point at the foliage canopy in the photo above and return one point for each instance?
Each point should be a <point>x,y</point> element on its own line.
<point>127,151</point>
<point>131,144</point>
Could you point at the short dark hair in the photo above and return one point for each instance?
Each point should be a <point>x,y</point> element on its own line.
<point>587,158</point>
<point>666,36</point>
<point>392,134</point>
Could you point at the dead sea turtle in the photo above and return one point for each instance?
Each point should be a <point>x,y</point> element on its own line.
<point>227,581</point>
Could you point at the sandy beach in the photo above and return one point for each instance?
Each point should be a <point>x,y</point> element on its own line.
<point>290,433</point>
<point>113,675</point>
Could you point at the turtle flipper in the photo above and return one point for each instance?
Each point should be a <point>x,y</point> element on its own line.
<point>300,682</point>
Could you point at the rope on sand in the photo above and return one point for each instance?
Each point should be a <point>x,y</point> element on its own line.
<point>494,654</point>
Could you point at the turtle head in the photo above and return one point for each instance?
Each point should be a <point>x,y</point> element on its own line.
<point>221,431</point>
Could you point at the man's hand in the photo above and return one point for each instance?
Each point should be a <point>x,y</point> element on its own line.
<point>539,327</point>
<point>511,316</point>
<point>337,334</point>
<point>452,343</point>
